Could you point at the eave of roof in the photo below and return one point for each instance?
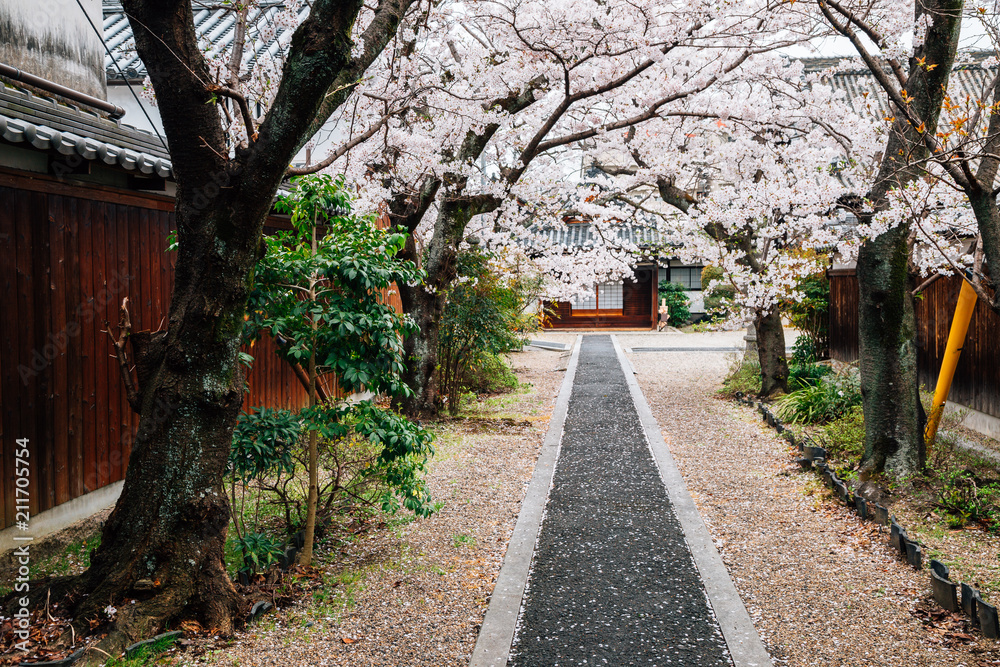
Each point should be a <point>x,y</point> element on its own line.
<point>582,235</point>
<point>46,124</point>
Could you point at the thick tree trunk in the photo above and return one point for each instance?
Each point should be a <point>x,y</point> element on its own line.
<point>771,351</point>
<point>894,419</point>
<point>421,349</point>
<point>163,544</point>
<point>425,304</point>
<point>161,556</point>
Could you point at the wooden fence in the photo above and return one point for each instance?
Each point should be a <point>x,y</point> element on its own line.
<point>68,255</point>
<point>977,378</point>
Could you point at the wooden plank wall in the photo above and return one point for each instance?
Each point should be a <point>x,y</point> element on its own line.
<point>977,378</point>
<point>65,264</point>
<point>68,255</point>
<point>843,315</point>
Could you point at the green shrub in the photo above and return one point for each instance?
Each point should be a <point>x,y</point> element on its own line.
<point>677,302</point>
<point>845,436</point>
<point>811,313</point>
<point>718,301</point>
<point>825,401</point>
<point>967,498</point>
<point>490,374</point>
<point>801,376</point>
<point>484,318</point>
<point>743,378</point>
<point>803,351</point>
<point>260,550</point>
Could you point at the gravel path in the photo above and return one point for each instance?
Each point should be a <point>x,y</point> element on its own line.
<point>824,589</point>
<point>612,581</point>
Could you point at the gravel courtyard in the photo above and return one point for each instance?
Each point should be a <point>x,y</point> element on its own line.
<point>824,589</point>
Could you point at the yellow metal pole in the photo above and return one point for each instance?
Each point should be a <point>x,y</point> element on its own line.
<point>956,340</point>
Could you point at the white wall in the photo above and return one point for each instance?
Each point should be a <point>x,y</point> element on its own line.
<point>52,39</point>
<point>119,94</point>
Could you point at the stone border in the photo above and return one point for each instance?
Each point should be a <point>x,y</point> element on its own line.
<point>745,646</point>
<point>497,632</point>
<point>945,592</point>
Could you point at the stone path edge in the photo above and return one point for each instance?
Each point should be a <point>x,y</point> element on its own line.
<point>497,632</point>
<point>745,646</point>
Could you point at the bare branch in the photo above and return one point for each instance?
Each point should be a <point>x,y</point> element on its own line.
<point>124,330</point>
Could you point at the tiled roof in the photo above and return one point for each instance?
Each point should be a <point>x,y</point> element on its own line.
<point>46,124</point>
<point>214,26</point>
<point>583,234</point>
<point>970,78</point>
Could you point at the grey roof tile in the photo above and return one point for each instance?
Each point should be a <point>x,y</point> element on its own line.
<point>214,26</point>
<point>44,124</point>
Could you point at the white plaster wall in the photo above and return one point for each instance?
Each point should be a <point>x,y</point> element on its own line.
<point>52,39</point>
<point>119,94</point>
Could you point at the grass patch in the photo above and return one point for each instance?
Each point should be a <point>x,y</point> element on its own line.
<point>463,541</point>
<point>148,654</point>
<point>73,559</point>
<point>743,378</point>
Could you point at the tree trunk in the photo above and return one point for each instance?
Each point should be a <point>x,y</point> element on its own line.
<point>894,417</point>
<point>421,350</point>
<point>771,351</point>
<point>162,553</point>
<point>425,304</point>
<point>163,544</point>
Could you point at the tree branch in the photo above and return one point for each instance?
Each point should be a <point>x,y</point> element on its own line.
<point>343,150</point>
<point>125,328</point>
<point>241,102</point>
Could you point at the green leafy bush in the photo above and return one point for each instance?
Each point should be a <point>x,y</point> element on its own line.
<point>678,303</point>
<point>845,436</point>
<point>490,374</point>
<point>811,313</point>
<point>260,550</point>
<point>803,351</point>
<point>367,457</point>
<point>484,318</point>
<point>805,375</point>
<point>828,399</point>
<point>263,443</point>
<point>718,299</point>
<point>966,498</point>
<point>316,292</point>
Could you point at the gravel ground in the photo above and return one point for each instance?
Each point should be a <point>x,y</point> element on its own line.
<point>822,587</point>
<point>612,581</point>
<point>416,592</point>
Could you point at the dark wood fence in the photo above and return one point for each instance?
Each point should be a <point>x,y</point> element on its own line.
<point>977,378</point>
<point>68,255</point>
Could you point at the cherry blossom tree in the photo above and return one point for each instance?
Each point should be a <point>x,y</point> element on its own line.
<point>500,97</point>
<point>752,180</point>
<point>917,91</point>
<point>162,546</point>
